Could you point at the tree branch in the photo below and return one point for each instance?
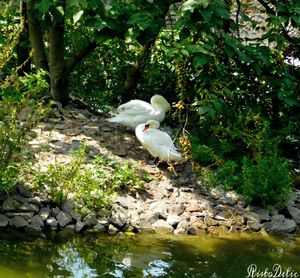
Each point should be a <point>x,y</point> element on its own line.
<point>80,56</point>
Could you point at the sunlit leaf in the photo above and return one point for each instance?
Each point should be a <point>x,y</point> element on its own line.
<point>77,16</point>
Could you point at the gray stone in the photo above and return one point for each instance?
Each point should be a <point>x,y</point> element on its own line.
<point>126,201</point>
<point>179,231</point>
<point>79,226</point>
<point>44,213</point>
<point>191,231</point>
<point>56,211</point>
<point>119,219</point>
<point>183,225</point>
<point>63,219</point>
<point>18,222</point>
<point>52,222</point>
<point>160,207</point>
<point>279,224</point>
<point>295,213</point>
<point>27,207</point>
<point>67,207</point>
<point>10,204</point>
<point>23,191</point>
<point>25,215</point>
<point>3,221</point>
<point>100,228</point>
<point>36,223</point>
<point>173,219</point>
<point>90,220</point>
<point>251,216</point>
<point>227,201</point>
<point>264,215</point>
<point>162,227</point>
<point>112,230</point>
<point>253,226</point>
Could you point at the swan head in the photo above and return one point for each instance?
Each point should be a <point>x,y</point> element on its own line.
<point>151,124</point>
<point>160,101</point>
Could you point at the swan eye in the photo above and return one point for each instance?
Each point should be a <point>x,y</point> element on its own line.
<point>146,127</point>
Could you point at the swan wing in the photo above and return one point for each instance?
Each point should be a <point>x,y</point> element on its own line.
<point>136,107</point>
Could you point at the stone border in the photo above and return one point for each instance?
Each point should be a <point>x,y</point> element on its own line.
<point>214,212</point>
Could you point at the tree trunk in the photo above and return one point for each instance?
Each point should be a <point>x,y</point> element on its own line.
<point>36,38</point>
<point>23,46</point>
<point>135,71</point>
<point>57,66</point>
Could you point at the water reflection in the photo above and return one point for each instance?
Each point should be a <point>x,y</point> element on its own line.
<point>70,260</point>
<point>144,256</point>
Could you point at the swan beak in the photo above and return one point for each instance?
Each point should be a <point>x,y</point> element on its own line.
<point>145,128</point>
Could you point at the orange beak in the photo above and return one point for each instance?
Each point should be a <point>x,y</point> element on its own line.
<point>145,128</point>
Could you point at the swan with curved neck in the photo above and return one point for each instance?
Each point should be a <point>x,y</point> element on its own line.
<point>135,112</point>
<point>158,143</point>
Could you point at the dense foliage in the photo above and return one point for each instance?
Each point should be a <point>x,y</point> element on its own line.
<point>227,67</point>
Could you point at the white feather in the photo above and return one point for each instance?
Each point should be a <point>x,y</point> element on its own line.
<point>156,142</point>
<point>136,111</point>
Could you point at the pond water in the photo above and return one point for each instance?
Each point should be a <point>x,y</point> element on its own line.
<point>147,255</point>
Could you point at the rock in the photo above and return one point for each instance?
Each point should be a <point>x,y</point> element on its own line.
<point>251,216</point>
<point>119,219</point>
<point>160,207</point>
<point>279,224</point>
<point>44,213</point>
<point>52,222</point>
<point>193,206</point>
<point>55,211</point>
<point>36,223</point>
<point>253,226</point>
<point>10,204</point>
<point>294,213</point>
<point>63,219</point>
<point>67,207</point>
<point>100,228</point>
<point>79,226</point>
<point>192,231</point>
<point>177,209</point>
<point>90,220</point>
<point>264,215</point>
<point>195,231</point>
<point>162,227</point>
<point>126,201</point>
<point>218,230</point>
<point>227,201</point>
<point>199,224</point>
<point>25,215</point>
<point>209,221</point>
<point>112,230</point>
<point>179,231</point>
<point>3,221</point>
<point>183,225</point>
<point>27,207</point>
<point>23,191</point>
<point>173,219</point>
<point>18,222</point>
<point>216,193</point>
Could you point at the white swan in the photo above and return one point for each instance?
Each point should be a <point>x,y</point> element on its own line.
<point>135,112</point>
<point>156,142</point>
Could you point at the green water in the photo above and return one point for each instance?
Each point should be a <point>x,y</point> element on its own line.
<point>145,256</point>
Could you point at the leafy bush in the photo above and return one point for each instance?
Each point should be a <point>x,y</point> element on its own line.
<point>92,185</point>
<point>267,181</point>
<point>19,113</point>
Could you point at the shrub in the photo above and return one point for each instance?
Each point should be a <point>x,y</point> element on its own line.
<point>87,184</point>
<point>19,113</point>
<point>267,181</point>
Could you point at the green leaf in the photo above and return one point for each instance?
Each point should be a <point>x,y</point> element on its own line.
<point>199,61</point>
<point>291,101</point>
<point>76,17</point>
<point>193,48</point>
<point>44,6</point>
<point>190,5</point>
